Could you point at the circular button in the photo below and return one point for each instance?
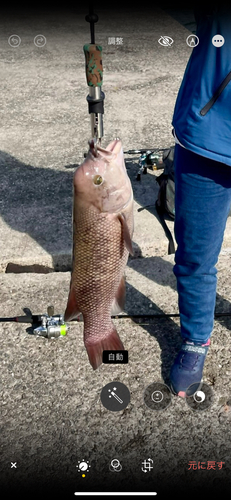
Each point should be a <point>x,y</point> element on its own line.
<point>157,396</point>
<point>218,40</point>
<point>201,399</point>
<point>14,40</point>
<point>115,396</point>
<point>192,40</point>
<point>40,40</point>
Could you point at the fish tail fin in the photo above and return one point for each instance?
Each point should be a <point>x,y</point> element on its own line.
<point>95,349</point>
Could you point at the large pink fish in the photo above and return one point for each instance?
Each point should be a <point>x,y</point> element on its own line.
<point>102,240</point>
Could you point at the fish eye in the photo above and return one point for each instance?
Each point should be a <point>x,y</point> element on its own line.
<point>97,179</point>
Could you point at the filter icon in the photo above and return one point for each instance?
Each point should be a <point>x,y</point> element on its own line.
<point>115,465</point>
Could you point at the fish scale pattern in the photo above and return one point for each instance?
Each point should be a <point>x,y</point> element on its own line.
<point>100,257</point>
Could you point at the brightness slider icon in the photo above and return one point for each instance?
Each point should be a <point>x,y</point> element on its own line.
<point>83,466</point>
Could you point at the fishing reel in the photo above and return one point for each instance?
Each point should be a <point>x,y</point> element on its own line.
<point>50,325</point>
<point>45,325</point>
<point>152,159</point>
<point>149,159</point>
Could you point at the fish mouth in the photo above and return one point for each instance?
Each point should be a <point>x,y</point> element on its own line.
<point>114,147</point>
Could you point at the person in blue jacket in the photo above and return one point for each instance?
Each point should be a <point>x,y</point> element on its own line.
<point>202,129</point>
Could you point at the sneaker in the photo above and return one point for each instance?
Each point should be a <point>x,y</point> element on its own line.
<point>187,369</point>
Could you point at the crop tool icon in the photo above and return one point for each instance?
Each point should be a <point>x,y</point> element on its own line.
<point>147,465</point>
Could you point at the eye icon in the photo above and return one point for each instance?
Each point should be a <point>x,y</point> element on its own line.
<point>165,41</point>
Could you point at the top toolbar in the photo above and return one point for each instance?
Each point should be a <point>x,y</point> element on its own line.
<point>165,40</point>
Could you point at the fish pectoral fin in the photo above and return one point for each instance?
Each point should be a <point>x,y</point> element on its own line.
<point>119,300</point>
<point>72,309</point>
<point>126,234</point>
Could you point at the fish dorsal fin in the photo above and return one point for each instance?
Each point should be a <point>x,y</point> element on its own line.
<point>126,234</point>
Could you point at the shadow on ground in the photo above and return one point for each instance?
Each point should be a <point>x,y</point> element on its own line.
<point>38,201</point>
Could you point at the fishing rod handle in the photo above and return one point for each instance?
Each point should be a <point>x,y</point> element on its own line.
<point>94,66</point>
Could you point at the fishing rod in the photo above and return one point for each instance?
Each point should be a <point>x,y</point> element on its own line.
<point>36,319</point>
<point>154,315</point>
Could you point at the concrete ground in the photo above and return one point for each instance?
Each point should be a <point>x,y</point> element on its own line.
<point>51,413</point>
